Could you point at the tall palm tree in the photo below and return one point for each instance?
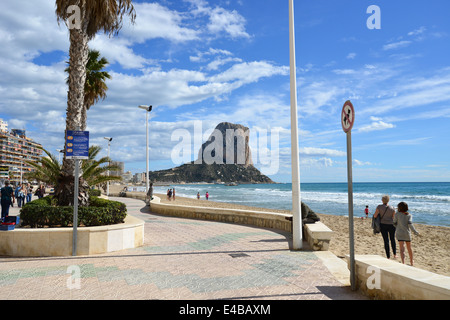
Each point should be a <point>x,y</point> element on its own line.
<point>95,86</point>
<point>94,16</point>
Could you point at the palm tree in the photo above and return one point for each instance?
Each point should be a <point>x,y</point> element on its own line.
<point>48,169</point>
<point>94,16</point>
<point>94,171</point>
<point>95,86</point>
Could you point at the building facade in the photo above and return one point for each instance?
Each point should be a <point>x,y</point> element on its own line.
<point>15,149</point>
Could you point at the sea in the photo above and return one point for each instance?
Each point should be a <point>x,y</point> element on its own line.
<point>428,202</point>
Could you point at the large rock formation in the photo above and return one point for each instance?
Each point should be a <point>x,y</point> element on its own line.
<point>229,144</point>
<point>225,157</point>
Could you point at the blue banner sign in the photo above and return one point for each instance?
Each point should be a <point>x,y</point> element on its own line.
<point>77,144</point>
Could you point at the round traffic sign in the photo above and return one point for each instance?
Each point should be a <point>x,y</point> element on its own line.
<point>348,116</point>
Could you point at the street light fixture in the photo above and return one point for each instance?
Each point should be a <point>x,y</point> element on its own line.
<point>59,154</point>
<point>107,182</point>
<point>148,109</point>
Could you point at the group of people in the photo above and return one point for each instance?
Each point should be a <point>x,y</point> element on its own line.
<point>395,225</point>
<point>171,194</point>
<point>23,193</point>
<point>206,195</point>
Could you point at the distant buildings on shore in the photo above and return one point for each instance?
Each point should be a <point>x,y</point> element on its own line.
<point>15,149</point>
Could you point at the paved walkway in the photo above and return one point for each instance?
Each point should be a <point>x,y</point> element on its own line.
<point>181,260</point>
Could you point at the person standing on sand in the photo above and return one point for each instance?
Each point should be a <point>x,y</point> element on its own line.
<point>207,195</point>
<point>403,226</point>
<point>387,213</point>
<point>366,211</point>
<point>198,195</point>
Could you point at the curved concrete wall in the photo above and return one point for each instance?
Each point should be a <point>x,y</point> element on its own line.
<point>259,219</point>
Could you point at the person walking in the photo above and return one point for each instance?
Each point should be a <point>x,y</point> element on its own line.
<point>29,193</point>
<point>7,198</point>
<point>387,227</point>
<point>21,195</point>
<point>403,226</point>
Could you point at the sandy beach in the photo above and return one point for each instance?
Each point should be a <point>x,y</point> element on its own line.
<point>431,248</point>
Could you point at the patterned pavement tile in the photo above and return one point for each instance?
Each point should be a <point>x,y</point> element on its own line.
<point>181,260</point>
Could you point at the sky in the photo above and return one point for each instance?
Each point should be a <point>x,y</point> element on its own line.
<point>201,62</point>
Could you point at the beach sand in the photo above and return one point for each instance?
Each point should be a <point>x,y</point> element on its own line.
<point>431,249</point>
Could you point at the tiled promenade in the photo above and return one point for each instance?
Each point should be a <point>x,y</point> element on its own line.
<point>180,260</point>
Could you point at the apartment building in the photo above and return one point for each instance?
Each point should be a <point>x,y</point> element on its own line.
<point>15,149</point>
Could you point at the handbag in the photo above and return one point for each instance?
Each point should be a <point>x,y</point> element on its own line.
<point>376,222</point>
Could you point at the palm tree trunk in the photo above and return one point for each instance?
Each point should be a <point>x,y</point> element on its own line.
<point>78,57</point>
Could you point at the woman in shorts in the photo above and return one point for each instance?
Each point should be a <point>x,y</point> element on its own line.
<point>403,226</point>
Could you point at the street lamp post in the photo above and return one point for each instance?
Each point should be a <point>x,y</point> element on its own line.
<point>109,163</point>
<point>296,197</point>
<point>148,109</point>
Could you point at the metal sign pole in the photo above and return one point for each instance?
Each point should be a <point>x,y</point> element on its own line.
<point>75,207</point>
<point>77,148</point>
<point>350,210</point>
<point>348,120</point>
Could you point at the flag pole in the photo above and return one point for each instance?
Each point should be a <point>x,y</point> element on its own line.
<point>296,197</point>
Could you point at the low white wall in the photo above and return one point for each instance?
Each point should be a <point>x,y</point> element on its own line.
<point>385,279</point>
<point>26,242</point>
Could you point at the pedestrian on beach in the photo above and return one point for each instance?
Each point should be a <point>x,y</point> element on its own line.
<point>173,194</point>
<point>366,211</point>
<point>403,226</point>
<point>170,194</point>
<point>198,195</point>
<point>7,199</point>
<point>168,191</point>
<point>207,195</point>
<point>387,227</point>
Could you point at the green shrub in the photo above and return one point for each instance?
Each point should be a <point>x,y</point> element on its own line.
<point>95,192</point>
<point>43,212</point>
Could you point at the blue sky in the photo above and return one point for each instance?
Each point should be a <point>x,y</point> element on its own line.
<point>202,62</point>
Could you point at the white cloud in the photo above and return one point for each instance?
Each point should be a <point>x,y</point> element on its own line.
<point>376,125</point>
<point>397,45</point>
<point>361,163</point>
<point>344,71</point>
<point>322,162</point>
<point>417,32</point>
<point>248,72</point>
<point>231,22</point>
<point>156,21</point>
<point>311,151</point>
<point>117,50</point>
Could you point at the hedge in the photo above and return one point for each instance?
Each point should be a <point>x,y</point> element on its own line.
<point>43,213</point>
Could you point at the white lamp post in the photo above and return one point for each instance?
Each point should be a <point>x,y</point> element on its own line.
<point>109,145</point>
<point>148,109</point>
<point>296,198</point>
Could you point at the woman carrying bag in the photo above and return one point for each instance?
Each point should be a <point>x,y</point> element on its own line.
<point>387,229</point>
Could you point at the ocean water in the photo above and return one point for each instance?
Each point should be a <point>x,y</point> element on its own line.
<point>429,203</point>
